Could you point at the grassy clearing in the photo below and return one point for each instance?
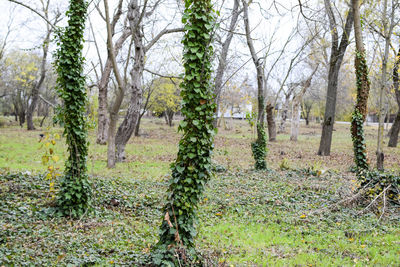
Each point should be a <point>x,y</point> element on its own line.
<point>275,218</point>
<point>149,156</point>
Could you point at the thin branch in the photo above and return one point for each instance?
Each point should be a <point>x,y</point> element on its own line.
<point>34,11</point>
<point>159,35</point>
<point>46,101</point>
<point>163,76</point>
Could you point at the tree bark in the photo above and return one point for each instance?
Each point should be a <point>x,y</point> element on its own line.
<point>337,54</point>
<point>271,123</point>
<point>394,131</point>
<point>119,93</point>
<point>259,146</point>
<point>38,84</point>
<point>103,120</point>
<point>128,125</point>
<point>296,107</point>
<point>294,129</point>
<point>387,32</point>
<point>222,58</point>
<point>284,115</point>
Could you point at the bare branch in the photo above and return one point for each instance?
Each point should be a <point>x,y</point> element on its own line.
<point>34,11</point>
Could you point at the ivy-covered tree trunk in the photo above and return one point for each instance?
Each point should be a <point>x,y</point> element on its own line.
<point>75,190</point>
<point>259,146</point>
<point>363,85</point>
<point>192,168</point>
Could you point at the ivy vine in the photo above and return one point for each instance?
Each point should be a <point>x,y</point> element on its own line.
<point>359,114</point>
<point>259,149</point>
<point>75,190</point>
<point>358,137</point>
<point>192,168</point>
<point>376,183</point>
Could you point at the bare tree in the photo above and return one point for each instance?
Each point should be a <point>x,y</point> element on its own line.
<point>136,15</point>
<point>296,103</point>
<point>103,120</point>
<point>337,53</point>
<point>387,28</point>
<point>45,49</point>
<point>224,54</point>
<point>119,95</point>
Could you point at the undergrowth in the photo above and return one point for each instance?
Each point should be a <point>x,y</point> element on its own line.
<point>246,218</point>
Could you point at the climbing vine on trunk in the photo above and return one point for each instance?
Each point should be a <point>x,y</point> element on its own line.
<point>75,190</point>
<point>360,112</point>
<point>192,168</point>
<point>259,149</point>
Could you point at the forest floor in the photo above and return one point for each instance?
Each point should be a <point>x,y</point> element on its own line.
<point>285,216</point>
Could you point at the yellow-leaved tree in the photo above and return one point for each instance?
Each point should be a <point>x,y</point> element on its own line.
<point>165,98</point>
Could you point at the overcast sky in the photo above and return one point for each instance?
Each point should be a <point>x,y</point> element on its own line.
<point>28,29</point>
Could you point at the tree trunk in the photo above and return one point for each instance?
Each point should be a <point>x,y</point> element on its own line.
<point>44,118</point>
<point>119,95</point>
<point>103,120</point>
<point>38,85</point>
<point>31,109</point>
<point>137,128</point>
<point>222,58</point>
<point>284,115</point>
<point>363,86</point>
<point>394,131</point>
<point>111,141</point>
<point>337,54</point>
<point>21,117</point>
<point>102,124</point>
<point>128,125</point>
<point>307,117</point>
<point>294,129</point>
<point>259,146</point>
<point>381,114</point>
<point>271,123</point>
<point>169,114</point>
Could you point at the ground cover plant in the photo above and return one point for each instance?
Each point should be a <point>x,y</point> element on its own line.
<point>246,218</point>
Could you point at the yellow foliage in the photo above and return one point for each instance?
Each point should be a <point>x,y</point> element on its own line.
<point>165,95</point>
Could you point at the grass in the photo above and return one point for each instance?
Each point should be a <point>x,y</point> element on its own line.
<point>246,218</point>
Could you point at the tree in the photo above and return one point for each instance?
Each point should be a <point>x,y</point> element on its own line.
<point>45,49</point>
<point>394,131</point>
<point>165,98</point>
<point>136,15</point>
<point>75,189</point>
<point>119,95</point>
<point>296,103</point>
<point>192,168</point>
<point>387,28</point>
<point>363,85</point>
<point>103,81</point>
<point>218,85</point>
<point>19,75</point>
<point>259,146</point>
<point>337,53</point>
